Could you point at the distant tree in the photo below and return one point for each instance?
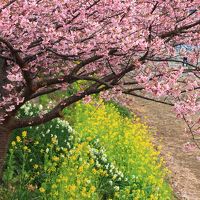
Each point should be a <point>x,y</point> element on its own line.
<point>123,46</point>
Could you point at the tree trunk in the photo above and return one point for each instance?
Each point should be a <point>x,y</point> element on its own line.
<point>4,141</point>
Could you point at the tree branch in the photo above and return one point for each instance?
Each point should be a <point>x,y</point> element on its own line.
<point>19,61</point>
<point>168,60</point>
<point>56,111</point>
<point>44,91</point>
<point>7,5</point>
<point>7,58</point>
<point>85,62</point>
<point>179,30</point>
<point>148,98</point>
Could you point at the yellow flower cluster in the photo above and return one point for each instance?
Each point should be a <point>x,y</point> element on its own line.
<point>108,156</point>
<point>75,180</point>
<point>128,145</point>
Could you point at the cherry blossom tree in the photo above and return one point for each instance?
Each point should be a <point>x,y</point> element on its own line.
<point>135,47</point>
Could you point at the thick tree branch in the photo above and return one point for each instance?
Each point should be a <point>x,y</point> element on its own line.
<point>52,81</point>
<point>7,5</point>
<point>63,56</point>
<point>43,91</point>
<point>66,78</point>
<point>48,90</point>
<point>56,111</point>
<point>86,62</point>
<point>179,30</point>
<point>88,78</point>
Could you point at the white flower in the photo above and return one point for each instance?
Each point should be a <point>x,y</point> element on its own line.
<point>70,129</point>
<point>116,188</point>
<point>68,144</point>
<point>97,141</point>
<point>47,150</point>
<point>31,113</point>
<point>104,159</point>
<point>97,164</point>
<point>102,151</point>
<point>71,137</point>
<point>40,107</point>
<point>110,182</point>
<point>112,166</point>
<point>48,131</point>
<point>107,166</point>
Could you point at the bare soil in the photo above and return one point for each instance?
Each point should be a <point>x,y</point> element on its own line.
<point>170,134</point>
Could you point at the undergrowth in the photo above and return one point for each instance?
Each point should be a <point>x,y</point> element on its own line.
<point>104,154</point>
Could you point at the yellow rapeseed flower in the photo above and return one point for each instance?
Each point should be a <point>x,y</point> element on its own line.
<point>35,166</point>
<point>56,193</point>
<point>54,140</point>
<point>24,134</point>
<point>89,139</point>
<point>36,142</point>
<point>55,158</point>
<point>92,189</point>
<point>84,192</point>
<point>25,148</point>
<point>72,187</point>
<point>42,190</point>
<point>18,139</point>
<point>58,180</point>
<point>13,143</point>
<point>91,161</point>
<point>54,186</point>
<point>73,157</point>
<point>80,169</point>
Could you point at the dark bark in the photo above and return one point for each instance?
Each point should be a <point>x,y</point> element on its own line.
<point>4,141</point>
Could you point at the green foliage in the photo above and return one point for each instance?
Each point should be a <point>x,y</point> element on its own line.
<point>31,151</point>
<point>57,127</point>
<point>123,111</point>
<point>104,156</point>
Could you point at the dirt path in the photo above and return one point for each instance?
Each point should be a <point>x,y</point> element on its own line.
<point>185,167</point>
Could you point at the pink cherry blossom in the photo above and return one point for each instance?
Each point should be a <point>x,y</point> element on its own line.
<point>113,47</point>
